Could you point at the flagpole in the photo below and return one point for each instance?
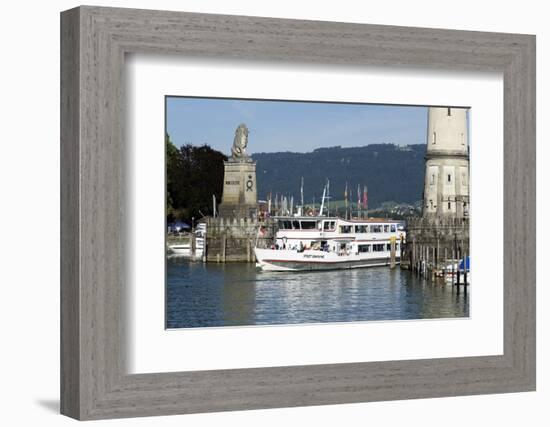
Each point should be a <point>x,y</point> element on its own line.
<point>346,200</point>
<point>366,201</point>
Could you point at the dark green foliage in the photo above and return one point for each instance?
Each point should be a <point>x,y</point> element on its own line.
<point>193,175</point>
<point>391,172</point>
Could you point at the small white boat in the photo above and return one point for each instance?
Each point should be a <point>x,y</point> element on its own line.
<point>458,268</point>
<point>451,278</point>
<point>184,248</point>
<point>328,243</point>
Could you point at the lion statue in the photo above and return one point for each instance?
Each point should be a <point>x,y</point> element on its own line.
<point>240,142</point>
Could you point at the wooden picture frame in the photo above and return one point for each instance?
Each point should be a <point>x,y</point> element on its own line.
<point>94,382</point>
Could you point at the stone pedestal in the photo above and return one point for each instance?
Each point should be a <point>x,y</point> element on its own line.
<point>239,199</point>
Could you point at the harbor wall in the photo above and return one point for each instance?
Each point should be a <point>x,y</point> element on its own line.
<point>234,239</point>
<point>435,243</point>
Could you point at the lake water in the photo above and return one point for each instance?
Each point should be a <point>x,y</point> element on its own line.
<point>234,294</point>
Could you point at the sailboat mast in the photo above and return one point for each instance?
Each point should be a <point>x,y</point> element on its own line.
<point>323,201</point>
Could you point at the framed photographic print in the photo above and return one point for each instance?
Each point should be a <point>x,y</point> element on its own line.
<point>287,212</point>
<point>261,213</point>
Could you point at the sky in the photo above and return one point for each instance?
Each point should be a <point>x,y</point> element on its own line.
<point>291,126</point>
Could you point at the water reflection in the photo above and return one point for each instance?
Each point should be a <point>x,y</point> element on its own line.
<point>200,295</point>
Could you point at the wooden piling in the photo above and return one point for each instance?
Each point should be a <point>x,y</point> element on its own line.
<point>453,266</point>
<point>392,252</point>
<point>204,248</point>
<point>425,254</point>
<point>193,245</point>
<point>458,269</point>
<point>419,262</point>
<point>413,257</point>
<point>401,249</point>
<point>422,261</point>
<point>434,263</point>
<point>437,255</point>
<point>426,261</point>
<point>445,263</point>
<point>422,264</point>
<point>224,244</point>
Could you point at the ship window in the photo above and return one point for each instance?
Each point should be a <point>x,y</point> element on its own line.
<point>434,138</point>
<point>448,177</point>
<point>448,111</point>
<point>285,225</point>
<point>386,228</point>
<point>363,248</point>
<point>361,229</point>
<point>393,228</point>
<point>449,205</point>
<point>432,179</point>
<point>332,225</point>
<point>375,228</point>
<point>308,225</point>
<point>388,247</point>
<point>296,225</point>
<point>379,247</point>
<point>326,225</point>
<point>345,229</point>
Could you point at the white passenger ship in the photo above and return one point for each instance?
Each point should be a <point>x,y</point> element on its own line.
<point>326,243</point>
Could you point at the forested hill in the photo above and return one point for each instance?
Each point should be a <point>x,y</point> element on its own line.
<point>391,172</point>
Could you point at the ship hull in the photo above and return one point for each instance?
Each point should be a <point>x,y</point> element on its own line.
<point>282,260</point>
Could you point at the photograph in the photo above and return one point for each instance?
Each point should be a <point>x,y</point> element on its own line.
<point>284,212</point>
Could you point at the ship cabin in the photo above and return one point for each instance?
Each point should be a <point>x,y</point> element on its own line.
<point>333,233</point>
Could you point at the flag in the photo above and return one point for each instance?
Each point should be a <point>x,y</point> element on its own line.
<point>358,196</point>
<point>365,197</point>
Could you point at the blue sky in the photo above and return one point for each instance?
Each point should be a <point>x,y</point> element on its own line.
<point>291,126</point>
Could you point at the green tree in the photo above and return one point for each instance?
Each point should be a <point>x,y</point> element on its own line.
<point>193,175</point>
<point>171,160</point>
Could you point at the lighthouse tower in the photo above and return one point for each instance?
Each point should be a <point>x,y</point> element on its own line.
<point>446,184</point>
